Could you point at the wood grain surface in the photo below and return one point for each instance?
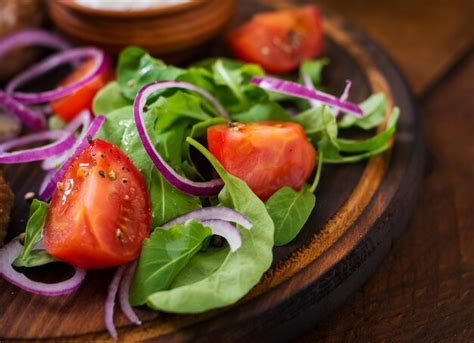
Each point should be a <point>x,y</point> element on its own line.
<point>424,290</point>
<point>362,208</point>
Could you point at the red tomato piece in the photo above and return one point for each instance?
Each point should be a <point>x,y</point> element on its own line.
<point>100,212</point>
<point>69,106</point>
<point>266,155</point>
<point>279,41</point>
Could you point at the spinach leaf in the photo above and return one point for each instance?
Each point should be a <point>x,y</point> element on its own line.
<point>313,68</point>
<point>109,99</point>
<point>33,235</point>
<point>264,111</point>
<point>319,121</point>
<point>136,68</point>
<point>289,211</point>
<point>223,280</point>
<point>163,256</point>
<point>374,108</point>
<point>166,201</point>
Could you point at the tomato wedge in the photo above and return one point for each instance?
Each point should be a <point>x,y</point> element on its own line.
<point>266,155</point>
<point>69,106</point>
<point>279,41</point>
<point>100,212</point>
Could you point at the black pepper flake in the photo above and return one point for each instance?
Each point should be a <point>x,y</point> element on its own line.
<point>145,108</point>
<point>90,139</point>
<point>102,173</point>
<point>124,180</point>
<point>102,155</point>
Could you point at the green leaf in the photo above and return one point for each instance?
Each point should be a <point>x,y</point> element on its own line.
<point>136,68</point>
<point>264,111</point>
<point>314,68</point>
<point>109,99</point>
<point>166,201</point>
<point>289,210</point>
<point>223,277</point>
<point>374,108</point>
<point>33,235</point>
<point>163,256</point>
<point>319,121</point>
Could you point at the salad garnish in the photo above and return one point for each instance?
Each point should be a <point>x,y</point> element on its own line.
<point>146,170</point>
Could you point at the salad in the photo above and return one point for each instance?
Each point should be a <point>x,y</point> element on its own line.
<point>184,179</point>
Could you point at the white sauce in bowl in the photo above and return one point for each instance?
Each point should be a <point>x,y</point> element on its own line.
<point>125,5</point>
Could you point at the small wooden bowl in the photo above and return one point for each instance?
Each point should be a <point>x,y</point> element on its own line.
<point>168,31</point>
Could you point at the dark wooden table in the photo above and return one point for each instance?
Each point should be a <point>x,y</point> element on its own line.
<point>424,290</point>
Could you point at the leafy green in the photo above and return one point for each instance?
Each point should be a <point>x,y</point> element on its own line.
<point>319,121</point>
<point>33,235</point>
<point>313,68</point>
<point>368,148</point>
<point>166,201</point>
<point>223,277</point>
<point>264,111</point>
<point>137,68</point>
<point>109,98</point>
<point>289,211</point>
<point>163,256</point>
<point>374,108</point>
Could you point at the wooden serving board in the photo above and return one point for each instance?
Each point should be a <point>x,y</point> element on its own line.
<point>360,210</point>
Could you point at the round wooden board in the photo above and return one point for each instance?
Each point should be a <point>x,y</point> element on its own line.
<point>360,210</point>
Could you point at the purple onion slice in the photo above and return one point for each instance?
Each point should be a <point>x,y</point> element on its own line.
<point>212,213</point>
<point>101,62</point>
<point>297,90</point>
<point>123,294</point>
<point>8,254</point>
<point>201,189</point>
<point>30,117</point>
<point>227,231</point>
<point>110,301</point>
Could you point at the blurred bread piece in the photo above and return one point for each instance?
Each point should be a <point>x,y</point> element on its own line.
<point>16,15</point>
<point>6,204</point>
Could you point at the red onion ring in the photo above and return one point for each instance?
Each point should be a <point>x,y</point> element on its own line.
<point>185,185</point>
<point>110,302</point>
<point>64,142</point>
<point>82,119</point>
<point>28,37</point>
<point>123,294</point>
<point>8,254</point>
<point>297,90</point>
<point>212,213</point>
<point>83,142</point>
<point>101,62</point>
<point>32,118</point>
<point>227,231</point>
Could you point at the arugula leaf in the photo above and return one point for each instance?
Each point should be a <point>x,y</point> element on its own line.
<point>264,111</point>
<point>109,99</point>
<point>163,256</point>
<point>319,121</point>
<point>374,108</point>
<point>370,147</point>
<point>33,235</point>
<point>166,201</point>
<point>289,211</point>
<point>136,68</point>
<point>223,277</point>
<point>313,68</point>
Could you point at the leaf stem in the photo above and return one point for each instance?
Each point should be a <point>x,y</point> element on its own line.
<point>315,183</point>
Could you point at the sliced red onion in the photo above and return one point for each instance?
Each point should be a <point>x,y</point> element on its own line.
<point>101,62</point>
<point>64,142</point>
<point>315,103</point>
<point>110,302</point>
<point>297,90</point>
<point>123,294</point>
<point>83,120</point>
<point>185,185</point>
<point>9,253</point>
<point>212,213</point>
<point>29,37</point>
<point>227,231</point>
<point>29,116</point>
<point>83,142</point>
<point>10,126</point>
<point>46,180</point>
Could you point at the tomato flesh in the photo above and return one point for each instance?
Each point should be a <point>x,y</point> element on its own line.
<point>100,212</point>
<point>69,106</point>
<point>266,155</point>
<point>279,41</point>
